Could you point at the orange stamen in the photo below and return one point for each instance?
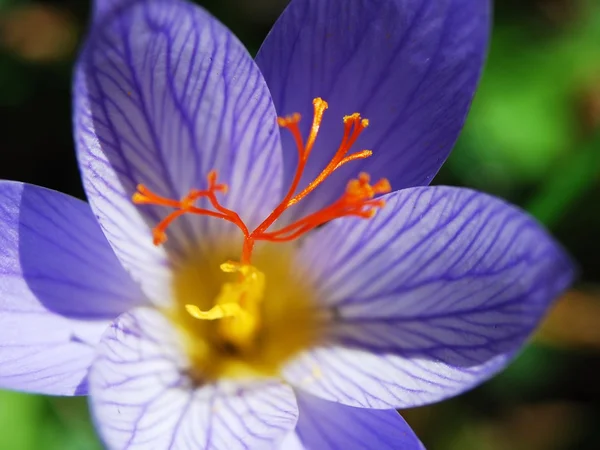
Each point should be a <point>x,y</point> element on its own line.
<point>320,106</point>
<point>291,123</point>
<point>144,196</point>
<point>353,127</point>
<point>357,201</point>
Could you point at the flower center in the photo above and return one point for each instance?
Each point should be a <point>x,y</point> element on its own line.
<point>247,327</point>
<point>239,305</point>
<point>240,302</point>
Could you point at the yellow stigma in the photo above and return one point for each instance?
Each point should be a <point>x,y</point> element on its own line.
<point>238,304</point>
<point>237,321</point>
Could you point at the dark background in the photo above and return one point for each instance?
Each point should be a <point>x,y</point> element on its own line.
<point>533,137</point>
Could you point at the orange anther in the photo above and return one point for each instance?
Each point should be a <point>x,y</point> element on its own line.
<point>158,232</point>
<point>383,186</point>
<point>288,120</point>
<point>351,118</point>
<point>369,214</point>
<point>160,237</point>
<point>145,196</point>
<point>320,106</point>
<point>291,123</point>
<point>360,189</point>
<point>139,198</point>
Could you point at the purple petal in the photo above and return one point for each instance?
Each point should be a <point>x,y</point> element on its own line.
<point>142,396</point>
<point>102,7</point>
<point>410,66</point>
<point>164,94</point>
<point>324,425</point>
<point>429,298</point>
<point>60,286</point>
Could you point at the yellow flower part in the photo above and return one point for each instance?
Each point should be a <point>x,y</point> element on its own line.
<point>242,320</point>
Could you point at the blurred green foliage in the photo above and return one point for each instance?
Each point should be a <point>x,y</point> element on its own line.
<point>35,422</point>
<point>524,115</point>
<point>529,138</point>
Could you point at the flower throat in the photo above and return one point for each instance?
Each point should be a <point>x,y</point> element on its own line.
<point>240,300</point>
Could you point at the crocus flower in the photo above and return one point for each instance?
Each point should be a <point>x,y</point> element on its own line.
<point>261,263</point>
